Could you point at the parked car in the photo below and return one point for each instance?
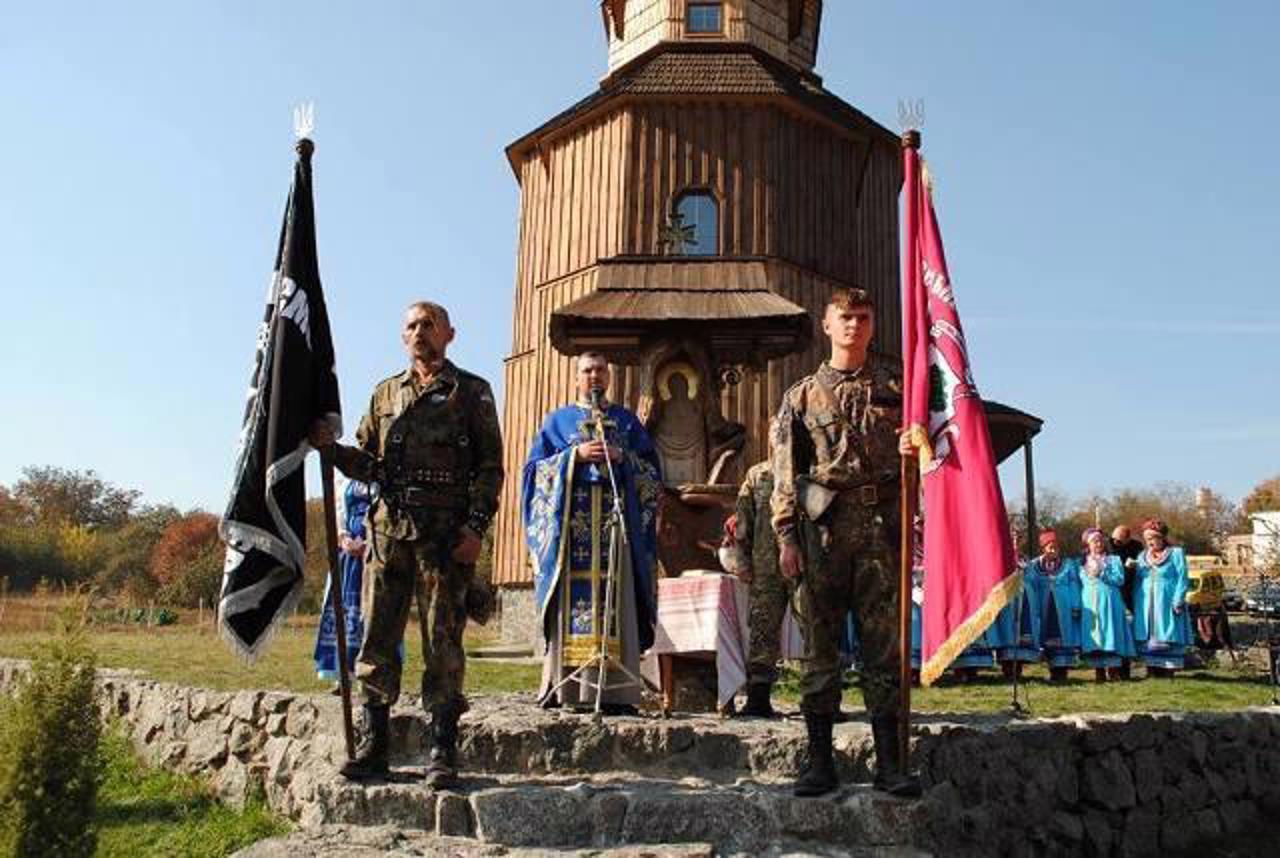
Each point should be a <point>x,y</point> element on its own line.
<point>1263,600</point>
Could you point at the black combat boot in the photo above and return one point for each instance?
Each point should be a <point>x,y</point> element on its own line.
<point>371,763</point>
<point>890,776</point>
<point>442,761</point>
<point>819,776</point>
<point>758,704</point>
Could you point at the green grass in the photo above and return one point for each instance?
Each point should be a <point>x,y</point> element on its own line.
<point>1218,688</point>
<point>142,812</point>
<point>195,656</point>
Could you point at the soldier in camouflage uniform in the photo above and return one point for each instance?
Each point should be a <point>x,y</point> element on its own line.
<point>836,463</point>
<point>431,442</point>
<point>753,556</point>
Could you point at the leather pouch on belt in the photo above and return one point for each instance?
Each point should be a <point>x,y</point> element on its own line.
<point>815,498</point>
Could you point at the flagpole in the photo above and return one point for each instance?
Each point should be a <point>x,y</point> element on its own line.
<point>908,506</point>
<point>336,594</point>
<point>305,147</point>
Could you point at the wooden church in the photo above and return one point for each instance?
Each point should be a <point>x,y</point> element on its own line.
<point>689,219</point>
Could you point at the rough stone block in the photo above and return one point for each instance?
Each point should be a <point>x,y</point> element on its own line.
<point>275,725</point>
<point>274,703</point>
<point>1097,834</point>
<point>1208,824</point>
<point>245,705</point>
<point>1106,782</point>
<point>233,783</point>
<point>399,805</point>
<point>1178,833</point>
<point>730,820</point>
<point>242,740</point>
<point>884,821</point>
<point>1148,776</point>
<point>207,750</point>
<point>720,751</point>
<point>608,811</point>
<point>453,816</point>
<point>279,760</point>
<point>591,748</point>
<point>1102,736</point>
<point>818,820</point>
<point>1237,816</point>
<point>1067,826</point>
<point>301,719</point>
<point>1140,732</point>
<point>1141,833</point>
<point>531,816</point>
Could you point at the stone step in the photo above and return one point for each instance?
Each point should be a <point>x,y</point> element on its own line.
<point>608,810</point>
<point>511,735</point>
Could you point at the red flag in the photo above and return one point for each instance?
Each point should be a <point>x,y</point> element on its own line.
<point>970,566</point>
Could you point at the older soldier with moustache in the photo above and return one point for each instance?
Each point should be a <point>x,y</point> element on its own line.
<point>836,455</point>
<point>430,440</point>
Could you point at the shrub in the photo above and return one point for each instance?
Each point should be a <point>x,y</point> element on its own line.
<point>49,760</point>
<point>182,542</point>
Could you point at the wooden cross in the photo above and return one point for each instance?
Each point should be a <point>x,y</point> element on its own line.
<point>674,236</point>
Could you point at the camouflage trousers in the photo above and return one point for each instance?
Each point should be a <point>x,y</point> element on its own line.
<point>851,562</point>
<point>768,597</point>
<point>399,572</point>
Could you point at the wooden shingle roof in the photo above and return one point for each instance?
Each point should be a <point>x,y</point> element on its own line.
<point>708,70</point>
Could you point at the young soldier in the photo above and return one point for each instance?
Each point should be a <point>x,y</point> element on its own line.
<point>836,461</point>
<point>430,440</point>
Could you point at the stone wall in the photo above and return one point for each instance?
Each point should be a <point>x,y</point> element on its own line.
<point>1131,785</point>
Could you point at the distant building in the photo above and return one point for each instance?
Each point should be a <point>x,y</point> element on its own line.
<point>1266,540</point>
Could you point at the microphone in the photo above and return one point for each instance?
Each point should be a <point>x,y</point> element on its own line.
<point>596,395</point>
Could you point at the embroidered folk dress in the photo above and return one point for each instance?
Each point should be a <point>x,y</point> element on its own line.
<point>566,507</point>
<point>1015,635</point>
<point>1105,634</point>
<point>1057,592</point>
<point>1161,625</point>
<point>354,505</point>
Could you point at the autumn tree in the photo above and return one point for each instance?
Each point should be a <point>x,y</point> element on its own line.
<point>1265,496</point>
<point>186,563</point>
<point>48,494</point>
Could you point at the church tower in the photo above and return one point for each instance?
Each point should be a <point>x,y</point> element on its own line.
<point>689,218</point>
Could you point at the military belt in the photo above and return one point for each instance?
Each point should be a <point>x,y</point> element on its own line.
<point>875,492</point>
<point>429,496</point>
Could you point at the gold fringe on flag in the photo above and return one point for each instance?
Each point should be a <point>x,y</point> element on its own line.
<point>971,629</point>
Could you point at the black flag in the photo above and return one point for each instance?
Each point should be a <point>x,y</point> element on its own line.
<point>293,384</point>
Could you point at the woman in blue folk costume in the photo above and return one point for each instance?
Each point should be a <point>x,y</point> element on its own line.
<point>1161,627</point>
<point>1105,635</point>
<point>1058,593</point>
<point>351,535</point>
<point>1015,635</point>
<point>917,622</point>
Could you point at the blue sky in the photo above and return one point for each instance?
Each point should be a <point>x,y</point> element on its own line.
<point>1105,186</point>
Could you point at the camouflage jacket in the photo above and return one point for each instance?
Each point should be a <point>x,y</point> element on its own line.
<point>435,452</point>
<point>755,538</point>
<point>839,430</point>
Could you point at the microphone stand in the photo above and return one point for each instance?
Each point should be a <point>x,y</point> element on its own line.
<point>616,528</point>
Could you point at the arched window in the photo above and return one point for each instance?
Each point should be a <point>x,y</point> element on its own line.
<point>700,214</point>
<point>702,17</point>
